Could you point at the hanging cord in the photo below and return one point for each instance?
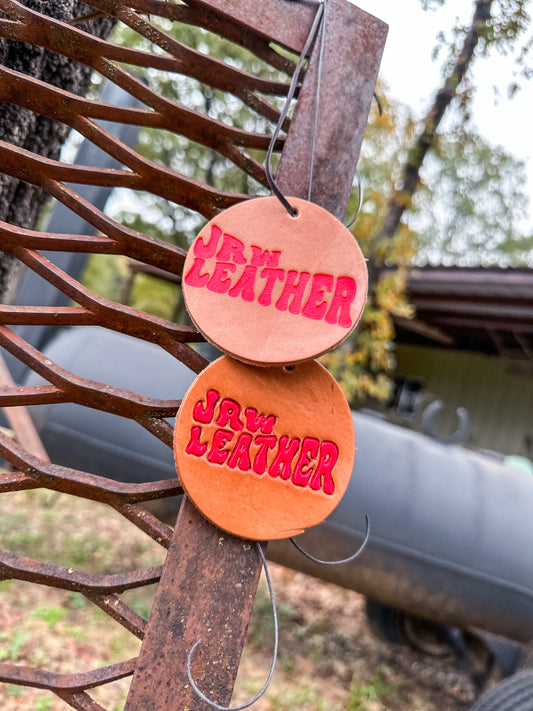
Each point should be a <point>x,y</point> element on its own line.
<point>319,23</point>
<point>318,87</point>
<point>359,180</point>
<point>294,82</point>
<point>336,562</point>
<point>274,657</point>
<point>358,177</point>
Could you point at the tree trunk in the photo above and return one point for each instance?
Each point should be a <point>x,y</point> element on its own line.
<point>20,203</point>
<point>401,198</point>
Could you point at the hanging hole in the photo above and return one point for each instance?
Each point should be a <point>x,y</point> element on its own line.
<point>288,368</point>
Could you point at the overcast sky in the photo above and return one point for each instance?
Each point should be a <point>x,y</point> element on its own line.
<point>412,76</point>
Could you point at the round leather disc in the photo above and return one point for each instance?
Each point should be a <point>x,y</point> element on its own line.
<point>264,453</point>
<point>271,289</point>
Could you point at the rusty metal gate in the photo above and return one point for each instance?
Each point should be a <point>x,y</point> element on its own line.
<point>202,586</point>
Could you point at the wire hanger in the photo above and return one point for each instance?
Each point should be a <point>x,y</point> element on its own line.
<point>213,704</point>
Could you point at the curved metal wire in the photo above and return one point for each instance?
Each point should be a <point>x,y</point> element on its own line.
<point>459,436</point>
<point>319,22</point>
<point>294,82</point>
<point>359,180</point>
<point>336,562</point>
<point>378,102</point>
<point>213,704</point>
<point>317,102</point>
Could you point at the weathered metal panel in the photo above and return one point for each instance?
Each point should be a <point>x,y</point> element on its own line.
<point>287,23</point>
<point>209,579</point>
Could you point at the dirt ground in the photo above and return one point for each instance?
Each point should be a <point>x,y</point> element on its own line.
<point>329,660</point>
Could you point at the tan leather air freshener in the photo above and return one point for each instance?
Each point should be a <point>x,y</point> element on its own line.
<point>271,289</point>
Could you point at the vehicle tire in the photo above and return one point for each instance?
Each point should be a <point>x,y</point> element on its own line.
<point>384,621</point>
<point>512,694</point>
<point>397,627</point>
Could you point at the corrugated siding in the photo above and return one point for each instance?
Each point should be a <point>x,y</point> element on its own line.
<point>499,402</point>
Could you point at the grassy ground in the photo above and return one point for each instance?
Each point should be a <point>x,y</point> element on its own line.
<point>329,660</point>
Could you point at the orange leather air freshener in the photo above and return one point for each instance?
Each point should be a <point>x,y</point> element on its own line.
<point>271,289</point>
<point>264,453</point>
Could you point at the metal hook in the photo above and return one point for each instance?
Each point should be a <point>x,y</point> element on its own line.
<point>378,102</point>
<point>428,424</point>
<point>320,20</point>
<point>336,562</point>
<point>294,81</point>
<point>360,203</point>
<point>274,658</point>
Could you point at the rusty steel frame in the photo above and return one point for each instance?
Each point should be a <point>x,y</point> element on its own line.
<point>208,582</point>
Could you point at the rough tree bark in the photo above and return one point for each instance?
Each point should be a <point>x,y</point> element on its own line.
<point>20,203</point>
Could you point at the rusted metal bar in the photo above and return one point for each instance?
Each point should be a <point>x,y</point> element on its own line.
<point>113,606</point>
<point>152,271</point>
<point>16,481</point>
<point>23,397</point>
<point>20,421</point>
<point>58,242</point>
<point>185,354</point>
<point>45,316</point>
<point>78,483</point>
<point>12,566</point>
<point>158,426</point>
<point>206,592</point>
<point>146,521</point>
<point>40,679</point>
<point>352,53</point>
<point>79,701</point>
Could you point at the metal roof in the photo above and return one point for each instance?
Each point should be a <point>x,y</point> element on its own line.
<point>484,310</point>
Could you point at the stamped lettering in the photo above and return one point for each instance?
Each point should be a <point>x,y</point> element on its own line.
<point>302,462</point>
<point>264,453</point>
<point>328,297</point>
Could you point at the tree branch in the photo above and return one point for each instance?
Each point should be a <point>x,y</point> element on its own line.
<point>401,198</point>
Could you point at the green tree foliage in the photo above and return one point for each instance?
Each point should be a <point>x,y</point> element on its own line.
<point>362,364</point>
<point>473,208</point>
